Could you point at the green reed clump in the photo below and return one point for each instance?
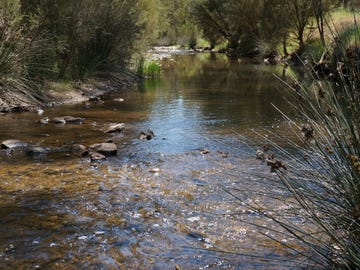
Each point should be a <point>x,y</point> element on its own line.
<point>149,68</point>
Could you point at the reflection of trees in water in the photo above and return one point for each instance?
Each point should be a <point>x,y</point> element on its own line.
<point>233,88</point>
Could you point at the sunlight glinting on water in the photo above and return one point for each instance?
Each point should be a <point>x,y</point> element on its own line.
<point>158,203</point>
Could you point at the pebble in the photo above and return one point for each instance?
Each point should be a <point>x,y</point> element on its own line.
<point>155,170</point>
<point>192,219</point>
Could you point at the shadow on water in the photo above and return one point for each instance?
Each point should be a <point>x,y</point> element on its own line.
<point>158,204</point>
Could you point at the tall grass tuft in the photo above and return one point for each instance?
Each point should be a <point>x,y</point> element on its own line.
<point>149,68</point>
<point>21,58</point>
<point>319,174</point>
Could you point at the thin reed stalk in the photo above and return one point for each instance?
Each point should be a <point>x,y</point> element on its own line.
<point>318,171</point>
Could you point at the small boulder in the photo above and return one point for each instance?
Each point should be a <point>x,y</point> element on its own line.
<point>107,149</point>
<point>80,150</point>
<point>15,144</point>
<point>44,120</point>
<point>59,120</point>
<point>73,120</point>
<point>68,120</point>
<point>148,135</point>
<point>95,156</point>
<point>38,152</point>
<point>115,128</point>
<point>204,151</point>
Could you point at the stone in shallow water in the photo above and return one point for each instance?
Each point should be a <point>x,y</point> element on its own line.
<point>155,170</point>
<point>68,120</point>
<point>107,149</point>
<point>14,144</point>
<point>73,120</point>
<point>115,128</point>
<point>148,135</point>
<point>94,156</point>
<point>59,120</point>
<point>80,150</point>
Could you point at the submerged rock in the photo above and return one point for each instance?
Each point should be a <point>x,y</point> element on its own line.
<point>38,152</point>
<point>107,149</point>
<point>15,144</point>
<point>115,128</point>
<point>148,135</point>
<point>155,170</point>
<point>74,120</point>
<point>80,150</point>
<point>95,98</point>
<point>68,120</point>
<point>196,235</point>
<point>59,120</point>
<point>44,120</point>
<point>204,151</point>
<point>95,156</point>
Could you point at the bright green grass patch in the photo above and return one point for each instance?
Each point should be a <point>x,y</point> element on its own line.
<point>149,68</point>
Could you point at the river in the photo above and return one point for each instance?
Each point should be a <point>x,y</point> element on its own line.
<point>159,204</point>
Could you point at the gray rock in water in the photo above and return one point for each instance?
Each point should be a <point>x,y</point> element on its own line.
<point>74,120</point>
<point>59,120</point>
<point>68,120</point>
<point>44,120</point>
<point>15,144</point>
<point>115,128</point>
<point>107,149</point>
<point>148,135</point>
<point>80,150</point>
<point>38,152</point>
<point>94,156</point>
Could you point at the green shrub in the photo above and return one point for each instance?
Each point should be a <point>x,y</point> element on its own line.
<point>20,53</point>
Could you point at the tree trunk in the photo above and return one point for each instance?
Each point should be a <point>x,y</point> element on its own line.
<point>319,16</point>
<point>234,42</point>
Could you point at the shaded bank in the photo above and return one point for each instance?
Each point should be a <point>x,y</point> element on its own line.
<point>45,41</point>
<point>54,93</point>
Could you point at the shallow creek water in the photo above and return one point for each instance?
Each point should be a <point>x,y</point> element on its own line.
<point>158,204</point>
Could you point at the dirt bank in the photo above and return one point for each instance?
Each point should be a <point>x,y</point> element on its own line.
<point>57,93</point>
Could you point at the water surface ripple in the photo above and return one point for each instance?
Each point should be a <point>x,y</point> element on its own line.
<point>158,204</point>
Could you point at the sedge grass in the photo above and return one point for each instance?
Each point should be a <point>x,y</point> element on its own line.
<point>320,183</point>
<point>149,68</point>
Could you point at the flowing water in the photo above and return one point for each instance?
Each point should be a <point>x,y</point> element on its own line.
<point>158,204</point>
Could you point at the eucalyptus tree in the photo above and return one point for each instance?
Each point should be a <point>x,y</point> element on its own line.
<point>212,20</point>
<point>237,21</point>
<point>175,25</point>
<point>89,36</point>
<point>275,26</point>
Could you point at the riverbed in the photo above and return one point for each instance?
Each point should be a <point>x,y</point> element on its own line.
<point>160,203</point>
